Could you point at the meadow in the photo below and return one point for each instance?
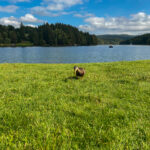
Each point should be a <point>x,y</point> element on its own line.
<point>43,106</point>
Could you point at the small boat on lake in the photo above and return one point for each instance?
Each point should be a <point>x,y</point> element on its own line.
<point>110,46</point>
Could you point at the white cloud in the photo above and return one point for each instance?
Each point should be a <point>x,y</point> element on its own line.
<point>44,12</point>
<point>137,24</point>
<point>57,5</point>
<point>54,7</point>
<point>30,19</point>
<point>31,25</point>
<point>17,1</point>
<point>8,9</point>
<point>85,15</point>
<point>10,21</point>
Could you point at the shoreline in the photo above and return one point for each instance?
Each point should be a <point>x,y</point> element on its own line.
<point>31,45</point>
<point>88,63</point>
<point>16,46</point>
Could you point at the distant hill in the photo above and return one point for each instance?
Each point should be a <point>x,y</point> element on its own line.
<point>138,40</point>
<point>113,39</point>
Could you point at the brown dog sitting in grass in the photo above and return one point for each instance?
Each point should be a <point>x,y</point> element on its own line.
<point>79,72</point>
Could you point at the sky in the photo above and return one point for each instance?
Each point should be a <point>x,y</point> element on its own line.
<point>93,16</point>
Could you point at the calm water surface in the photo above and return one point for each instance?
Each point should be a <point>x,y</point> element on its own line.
<point>77,54</point>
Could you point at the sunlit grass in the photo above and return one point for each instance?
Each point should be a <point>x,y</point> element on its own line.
<point>42,106</point>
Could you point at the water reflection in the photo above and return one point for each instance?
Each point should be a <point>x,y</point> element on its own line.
<point>78,54</point>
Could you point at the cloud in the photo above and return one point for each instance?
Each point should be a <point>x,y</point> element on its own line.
<point>8,9</point>
<point>41,11</point>
<point>54,7</point>
<point>57,5</point>
<point>85,15</point>
<point>31,25</point>
<point>29,18</point>
<point>137,24</point>
<point>18,1</point>
<point>10,21</point>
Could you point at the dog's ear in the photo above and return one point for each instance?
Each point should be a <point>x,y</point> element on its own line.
<point>75,67</point>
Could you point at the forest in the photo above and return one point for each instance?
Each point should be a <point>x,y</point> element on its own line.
<point>113,38</point>
<point>138,40</point>
<point>45,35</point>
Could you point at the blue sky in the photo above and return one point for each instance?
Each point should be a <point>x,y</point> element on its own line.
<point>94,16</point>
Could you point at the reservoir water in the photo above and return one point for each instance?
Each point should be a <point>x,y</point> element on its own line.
<point>73,54</point>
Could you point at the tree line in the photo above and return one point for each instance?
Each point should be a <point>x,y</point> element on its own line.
<point>138,40</point>
<point>114,39</point>
<point>46,35</point>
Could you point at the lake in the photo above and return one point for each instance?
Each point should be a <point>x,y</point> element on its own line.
<point>73,54</point>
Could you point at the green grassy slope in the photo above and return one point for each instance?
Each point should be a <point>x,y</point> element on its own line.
<point>42,106</point>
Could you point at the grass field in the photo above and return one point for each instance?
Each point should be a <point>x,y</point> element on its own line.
<point>42,106</point>
<point>23,44</point>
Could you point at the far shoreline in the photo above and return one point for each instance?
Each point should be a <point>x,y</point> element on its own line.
<point>16,46</point>
<point>13,46</point>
